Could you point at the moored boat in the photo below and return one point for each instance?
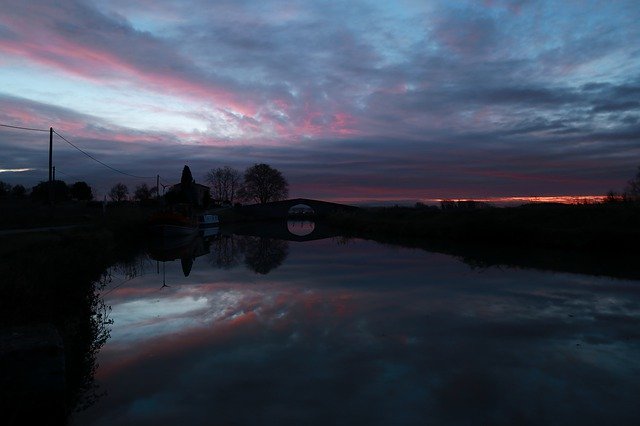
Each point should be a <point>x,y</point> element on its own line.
<point>175,222</point>
<point>208,220</point>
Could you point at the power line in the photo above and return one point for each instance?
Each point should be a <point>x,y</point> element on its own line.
<point>24,128</point>
<point>98,161</point>
<point>79,149</point>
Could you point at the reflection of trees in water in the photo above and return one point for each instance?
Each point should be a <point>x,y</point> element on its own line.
<point>261,255</point>
<point>133,267</point>
<point>94,330</point>
<point>264,254</point>
<point>342,240</point>
<point>227,251</point>
<point>92,335</point>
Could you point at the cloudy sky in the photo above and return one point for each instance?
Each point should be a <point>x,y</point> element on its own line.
<point>352,100</point>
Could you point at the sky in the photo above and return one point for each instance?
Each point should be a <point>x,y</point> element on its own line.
<point>354,101</point>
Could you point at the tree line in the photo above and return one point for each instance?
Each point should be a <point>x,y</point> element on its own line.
<point>259,183</point>
<point>79,191</point>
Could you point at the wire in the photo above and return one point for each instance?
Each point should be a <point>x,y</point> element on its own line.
<point>24,128</point>
<point>98,161</point>
<point>79,149</point>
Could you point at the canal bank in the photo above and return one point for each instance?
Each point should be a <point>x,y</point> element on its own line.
<point>52,321</point>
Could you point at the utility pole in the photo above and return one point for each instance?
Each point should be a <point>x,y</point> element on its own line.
<point>158,187</point>
<point>51,165</point>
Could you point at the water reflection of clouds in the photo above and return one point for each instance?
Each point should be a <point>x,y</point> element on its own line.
<point>373,334</point>
<point>143,319</point>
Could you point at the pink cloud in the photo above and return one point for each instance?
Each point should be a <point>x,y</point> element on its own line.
<point>253,311</point>
<point>98,66</point>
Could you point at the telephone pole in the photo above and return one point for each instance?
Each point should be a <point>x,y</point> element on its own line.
<point>51,165</point>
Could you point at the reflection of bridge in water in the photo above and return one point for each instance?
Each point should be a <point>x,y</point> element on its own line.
<point>279,230</point>
<point>270,227</point>
<point>271,219</point>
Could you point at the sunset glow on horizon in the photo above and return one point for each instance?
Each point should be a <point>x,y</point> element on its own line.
<point>351,100</point>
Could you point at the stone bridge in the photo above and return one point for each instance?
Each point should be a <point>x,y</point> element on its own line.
<point>280,209</point>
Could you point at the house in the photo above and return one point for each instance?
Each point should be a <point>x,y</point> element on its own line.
<point>196,194</point>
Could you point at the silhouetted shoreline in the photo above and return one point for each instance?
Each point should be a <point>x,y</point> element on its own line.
<point>606,227</point>
<point>52,319</point>
<point>596,239</point>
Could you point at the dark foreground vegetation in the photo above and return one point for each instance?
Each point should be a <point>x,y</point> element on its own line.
<point>125,218</point>
<point>52,320</point>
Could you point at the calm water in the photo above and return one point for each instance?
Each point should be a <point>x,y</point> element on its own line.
<point>354,332</point>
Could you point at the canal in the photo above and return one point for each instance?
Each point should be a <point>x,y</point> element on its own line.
<point>243,329</point>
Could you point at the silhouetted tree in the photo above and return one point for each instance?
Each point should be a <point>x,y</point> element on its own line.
<point>185,192</point>
<point>18,191</point>
<point>225,183</point>
<point>5,189</point>
<point>263,183</point>
<point>447,204</point>
<point>119,192</point>
<point>40,192</point>
<point>81,191</point>
<point>142,193</point>
<point>613,197</point>
<point>187,178</point>
<point>633,187</point>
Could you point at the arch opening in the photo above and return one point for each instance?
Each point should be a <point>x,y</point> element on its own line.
<point>301,212</point>
<point>300,220</point>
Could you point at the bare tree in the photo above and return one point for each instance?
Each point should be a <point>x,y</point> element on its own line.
<point>143,192</point>
<point>119,192</point>
<point>263,183</point>
<point>18,191</point>
<point>225,183</point>
<point>5,189</point>
<point>633,187</point>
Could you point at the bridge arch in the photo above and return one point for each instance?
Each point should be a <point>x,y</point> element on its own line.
<point>280,209</point>
<point>270,219</point>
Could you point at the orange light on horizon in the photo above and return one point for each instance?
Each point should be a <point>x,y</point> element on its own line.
<point>562,199</point>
